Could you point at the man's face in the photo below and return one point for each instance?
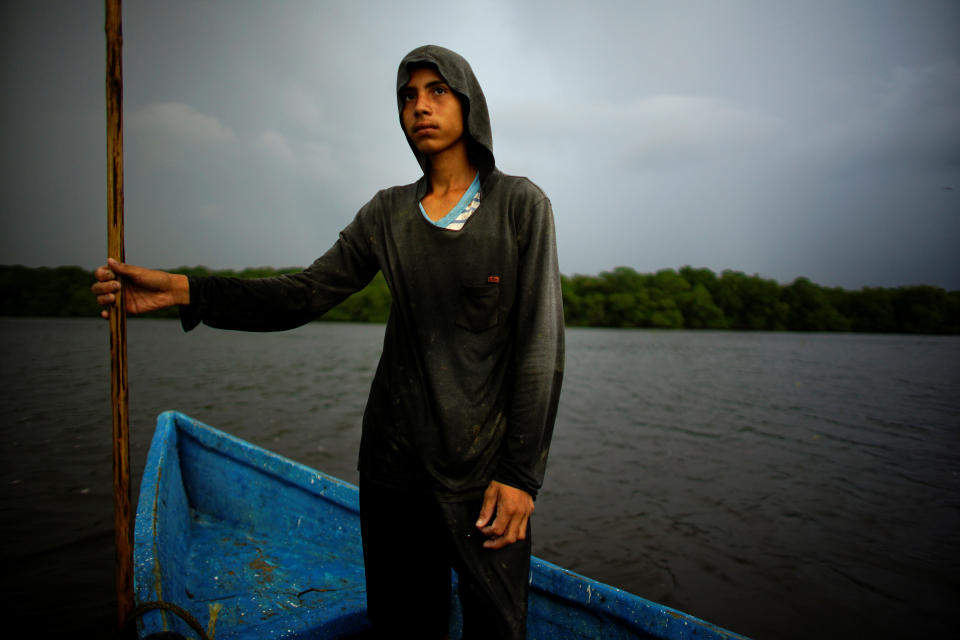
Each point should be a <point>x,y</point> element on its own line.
<point>431,113</point>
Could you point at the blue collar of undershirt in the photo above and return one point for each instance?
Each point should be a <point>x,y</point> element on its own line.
<point>467,198</point>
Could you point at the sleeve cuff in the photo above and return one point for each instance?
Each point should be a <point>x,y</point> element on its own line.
<point>190,313</point>
<point>506,476</point>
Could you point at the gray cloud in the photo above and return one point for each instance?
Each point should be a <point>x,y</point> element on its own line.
<point>786,139</point>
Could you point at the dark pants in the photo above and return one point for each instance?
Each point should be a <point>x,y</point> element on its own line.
<point>410,543</point>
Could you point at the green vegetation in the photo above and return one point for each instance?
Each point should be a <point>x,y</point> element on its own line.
<point>61,292</point>
<point>669,299</point>
<point>699,299</point>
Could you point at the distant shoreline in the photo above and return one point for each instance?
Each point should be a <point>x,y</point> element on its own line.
<point>687,298</point>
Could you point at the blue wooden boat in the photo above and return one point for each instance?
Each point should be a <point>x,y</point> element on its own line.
<point>245,544</point>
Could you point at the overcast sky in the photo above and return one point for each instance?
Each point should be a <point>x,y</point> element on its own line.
<point>808,138</point>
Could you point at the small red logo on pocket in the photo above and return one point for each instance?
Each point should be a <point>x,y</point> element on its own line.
<point>493,279</point>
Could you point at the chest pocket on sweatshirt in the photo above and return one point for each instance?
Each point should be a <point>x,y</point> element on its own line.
<point>479,307</point>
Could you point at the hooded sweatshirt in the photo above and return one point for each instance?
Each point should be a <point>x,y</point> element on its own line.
<point>469,378</point>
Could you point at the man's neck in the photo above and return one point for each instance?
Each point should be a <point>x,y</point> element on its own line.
<point>450,170</point>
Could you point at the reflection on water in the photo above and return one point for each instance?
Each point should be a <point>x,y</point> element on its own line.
<point>782,485</point>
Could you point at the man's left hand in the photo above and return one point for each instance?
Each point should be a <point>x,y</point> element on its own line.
<point>512,507</point>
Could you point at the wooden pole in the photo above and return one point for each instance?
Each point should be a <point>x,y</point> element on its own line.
<point>118,317</point>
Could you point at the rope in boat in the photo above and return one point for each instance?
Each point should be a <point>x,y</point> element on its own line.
<point>182,613</point>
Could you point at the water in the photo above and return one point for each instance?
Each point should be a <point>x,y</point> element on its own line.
<point>781,485</point>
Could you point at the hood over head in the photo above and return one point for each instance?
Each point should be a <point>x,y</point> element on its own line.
<point>457,73</point>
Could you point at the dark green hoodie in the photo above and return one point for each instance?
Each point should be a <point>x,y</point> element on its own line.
<point>468,382</point>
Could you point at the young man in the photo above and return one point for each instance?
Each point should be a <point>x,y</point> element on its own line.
<point>461,410</point>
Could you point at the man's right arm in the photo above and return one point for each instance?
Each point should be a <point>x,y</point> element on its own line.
<point>143,289</point>
<point>257,304</point>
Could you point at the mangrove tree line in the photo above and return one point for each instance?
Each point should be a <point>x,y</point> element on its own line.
<point>688,298</point>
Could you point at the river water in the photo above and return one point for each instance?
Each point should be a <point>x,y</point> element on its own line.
<point>782,485</point>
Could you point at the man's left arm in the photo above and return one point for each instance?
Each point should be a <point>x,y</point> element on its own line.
<point>537,377</point>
